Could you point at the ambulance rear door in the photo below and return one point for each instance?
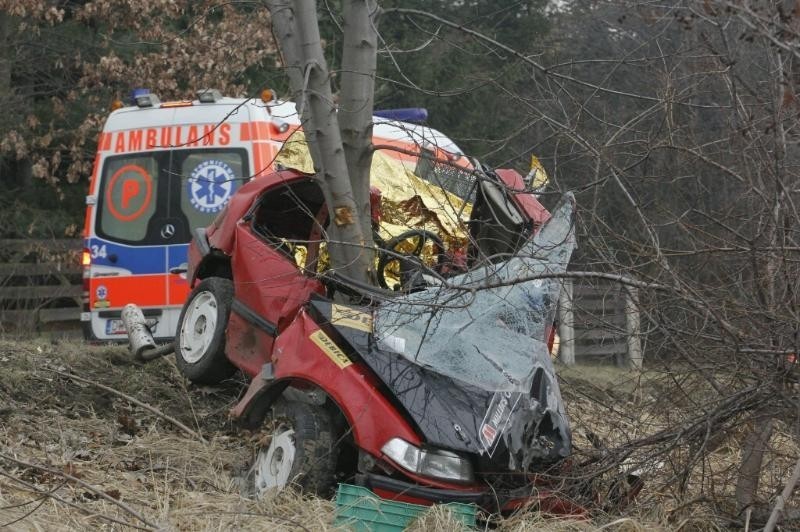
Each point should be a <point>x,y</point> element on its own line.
<point>128,255</point>
<point>202,182</point>
<point>147,204</point>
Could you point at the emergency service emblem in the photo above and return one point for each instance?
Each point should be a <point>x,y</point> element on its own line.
<point>210,186</point>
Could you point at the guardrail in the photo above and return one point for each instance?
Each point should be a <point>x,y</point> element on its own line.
<point>40,282</point>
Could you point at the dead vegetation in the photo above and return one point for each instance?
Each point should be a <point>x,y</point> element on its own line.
<point>76,456</point>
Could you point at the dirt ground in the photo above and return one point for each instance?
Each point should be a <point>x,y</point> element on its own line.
<point>76,457</point>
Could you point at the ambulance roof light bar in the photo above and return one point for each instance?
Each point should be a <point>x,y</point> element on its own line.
<point>209,95</point>
<point>409,114</point>
<point>144,98</point>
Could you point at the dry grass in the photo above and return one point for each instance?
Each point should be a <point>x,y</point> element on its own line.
<point>125,455</point>
<point>622,406</point>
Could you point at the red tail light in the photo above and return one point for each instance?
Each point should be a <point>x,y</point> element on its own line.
<point>86,262</point>
<point>550,332</point>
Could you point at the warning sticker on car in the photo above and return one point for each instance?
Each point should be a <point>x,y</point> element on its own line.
<point>494,423</point>
<point>324,342</point>
<point>350,317</point>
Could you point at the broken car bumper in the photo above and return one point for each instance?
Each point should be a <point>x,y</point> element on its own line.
<point>487,498</point>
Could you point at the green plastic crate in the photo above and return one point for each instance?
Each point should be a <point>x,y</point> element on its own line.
<point>363,511</point>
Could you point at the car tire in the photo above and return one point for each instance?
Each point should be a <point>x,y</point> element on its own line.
<point>200,340</point>
<point>301,451</point>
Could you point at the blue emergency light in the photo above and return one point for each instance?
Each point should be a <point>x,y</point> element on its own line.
<point>408,114</point>
<point>144,98</point>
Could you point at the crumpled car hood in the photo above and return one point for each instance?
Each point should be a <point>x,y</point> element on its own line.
<point>457,416</point>
<point>523,429</point>
<point>468,361</point>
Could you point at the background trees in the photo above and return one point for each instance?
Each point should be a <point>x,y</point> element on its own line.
<point>63,63</point>
<point>461,80</point>
<point>678,124</point>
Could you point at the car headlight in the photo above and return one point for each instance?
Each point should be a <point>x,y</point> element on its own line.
<point>429,462</point>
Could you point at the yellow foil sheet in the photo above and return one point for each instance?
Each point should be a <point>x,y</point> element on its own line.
<point>537,175</point>
<point>407,201</point>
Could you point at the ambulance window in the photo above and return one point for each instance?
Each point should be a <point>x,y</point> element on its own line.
<point>127,198</point>
<point>208,180</point>
<point>453,179</point>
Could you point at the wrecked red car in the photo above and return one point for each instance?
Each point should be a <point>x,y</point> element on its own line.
<point>443,390</point>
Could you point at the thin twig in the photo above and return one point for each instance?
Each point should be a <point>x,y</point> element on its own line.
<point>86,485</point>
<point>781,501</point>
<point>135,401</point>
<point>41,500</point>
<point>52,495</point>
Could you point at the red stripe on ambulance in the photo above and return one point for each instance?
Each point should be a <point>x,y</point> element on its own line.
<point>145,290</point>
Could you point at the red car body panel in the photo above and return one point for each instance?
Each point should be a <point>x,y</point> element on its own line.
<point>269,285</point>
<point>526,201</point>
<point>248,348</point>
<point>296,358</point>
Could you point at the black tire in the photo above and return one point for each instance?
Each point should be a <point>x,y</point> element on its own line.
<point>207,365</point>
<point>313,469</point>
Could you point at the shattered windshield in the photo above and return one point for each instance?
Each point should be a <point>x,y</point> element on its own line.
<point>486,327</point>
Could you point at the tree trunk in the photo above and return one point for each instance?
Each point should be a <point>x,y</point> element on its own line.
<point>284,27</point>
<point>357,98</point>
<point>298,35</point>
<point>5,58</point>
<point>753,448</point>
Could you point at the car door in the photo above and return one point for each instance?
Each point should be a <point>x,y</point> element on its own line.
<point>269,283</point>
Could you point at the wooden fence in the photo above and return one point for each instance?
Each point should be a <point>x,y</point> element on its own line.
<point>599,322</point>
<point>40,283</point>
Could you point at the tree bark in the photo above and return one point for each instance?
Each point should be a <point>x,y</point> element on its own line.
<point>753,450</point>
<point>298,35</point>
<point>284,27</point>
<point>357,97</point>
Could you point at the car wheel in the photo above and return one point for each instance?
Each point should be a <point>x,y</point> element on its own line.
<point>200,342</point>
<point>301,451</point>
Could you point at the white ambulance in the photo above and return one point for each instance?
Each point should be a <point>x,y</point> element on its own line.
<point>165,168</point>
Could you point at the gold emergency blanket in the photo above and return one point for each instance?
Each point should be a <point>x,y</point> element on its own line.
<point>407,201</point>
